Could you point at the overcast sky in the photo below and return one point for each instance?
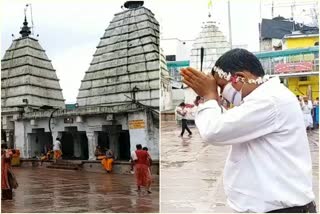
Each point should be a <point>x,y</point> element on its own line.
<point>70,30</point>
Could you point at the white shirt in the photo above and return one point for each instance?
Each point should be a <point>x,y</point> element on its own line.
<point>56,145</point>
<point>269,165</point>
<point>181,112</point>
<point>306,108</point>
<point>134,155</point>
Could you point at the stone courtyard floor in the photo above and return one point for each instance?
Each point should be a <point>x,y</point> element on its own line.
<point>191,172</point>
<point>51,190</point>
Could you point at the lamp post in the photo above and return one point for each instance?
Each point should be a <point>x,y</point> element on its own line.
<point>51,116</point>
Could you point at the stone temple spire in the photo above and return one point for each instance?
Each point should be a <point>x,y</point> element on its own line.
<point>25,30</point>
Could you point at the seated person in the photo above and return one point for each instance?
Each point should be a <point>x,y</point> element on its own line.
<point>99,153</point>
<point>108,160</point>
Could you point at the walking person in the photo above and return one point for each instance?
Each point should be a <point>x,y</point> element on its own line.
<point>57,149</point>
<point>182,112</point>
<point>8,180</point>
<point>150,161</point>
<point>141,162</point>
<point>269,166</point>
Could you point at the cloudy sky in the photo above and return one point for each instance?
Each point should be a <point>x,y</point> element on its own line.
<point>70,30</point>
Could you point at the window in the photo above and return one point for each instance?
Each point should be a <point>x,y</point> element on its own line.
<point>171,57</point>
<point>303,78</point>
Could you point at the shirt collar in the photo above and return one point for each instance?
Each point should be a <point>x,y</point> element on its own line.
<point>260,91</point>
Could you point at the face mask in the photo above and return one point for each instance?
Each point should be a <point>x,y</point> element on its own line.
<point>232,95</point>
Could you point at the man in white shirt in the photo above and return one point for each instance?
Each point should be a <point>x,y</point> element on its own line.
<point>269,166</point>
<point>184,125</point>
<point>133,158</point>
<point>57,149</point>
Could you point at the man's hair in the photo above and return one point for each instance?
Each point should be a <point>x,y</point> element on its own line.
<point>139,146</point>
<point>182,104</point>
<point>237,60</point>
<point>145,148</point>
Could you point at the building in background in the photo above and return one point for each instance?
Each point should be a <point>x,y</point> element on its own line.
<point>297,64</point>
<point>300,39</point>
<point>165,86</point>
<point>273,31</point>
<point>176,49</point>
<point>214,44</point>
<point>177,56</point>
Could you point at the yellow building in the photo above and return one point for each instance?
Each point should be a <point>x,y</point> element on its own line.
<point>300,40</point>
<point>299,85</point>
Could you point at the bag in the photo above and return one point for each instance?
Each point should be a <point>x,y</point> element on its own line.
<point>12,180</point>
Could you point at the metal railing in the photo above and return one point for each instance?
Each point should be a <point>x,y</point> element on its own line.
<point>304,61</point>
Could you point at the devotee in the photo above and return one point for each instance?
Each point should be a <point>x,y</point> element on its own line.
<point>47,156</point>
<point>182,112</point>
<point>150,160</point>
<point>307,107</point>
<point>198,100</point>
<point>141,162</point>
<point>108,160</point>
<point>100,155</point>
<point>132,158</point>
<point>57,149</point>
<point>316,113</point>
<point>8,180</point>
<point>269,166</point>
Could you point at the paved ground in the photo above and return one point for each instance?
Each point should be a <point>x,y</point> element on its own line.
<point>191,172</point>
<point>50,190</point>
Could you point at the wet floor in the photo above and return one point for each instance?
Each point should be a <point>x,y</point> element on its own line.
<point>51,190</point>
<point>191,172</point>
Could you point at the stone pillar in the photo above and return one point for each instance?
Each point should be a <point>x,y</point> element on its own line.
<point>92,144</point>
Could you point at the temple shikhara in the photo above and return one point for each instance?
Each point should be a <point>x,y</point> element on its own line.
<point>214,44</point>
<point>117,104</point>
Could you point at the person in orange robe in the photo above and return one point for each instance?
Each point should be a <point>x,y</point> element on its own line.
<point>57,149</point>
<point>150,161</point>
<point>142,173</point>
<point>108,160</point>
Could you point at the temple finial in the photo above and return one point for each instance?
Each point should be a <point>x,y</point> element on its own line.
<point>25,30</point>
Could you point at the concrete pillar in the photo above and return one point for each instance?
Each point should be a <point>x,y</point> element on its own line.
<point>77,146</point>
<point>20,137</point>
<point>29,146</point>
<point>9,138</point>
<point>92,144</point>
<point>55,135</point>
<point>114,143</point>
